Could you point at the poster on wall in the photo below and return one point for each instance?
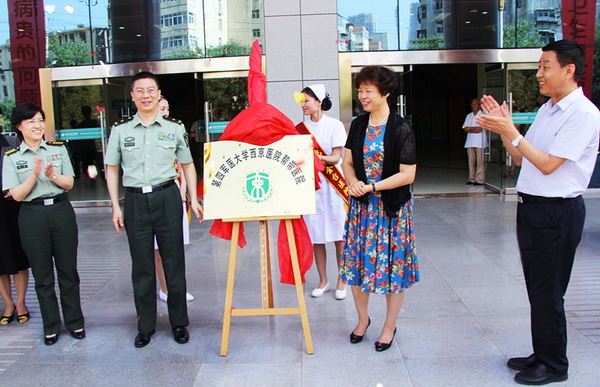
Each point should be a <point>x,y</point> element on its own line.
<point>242,180</point>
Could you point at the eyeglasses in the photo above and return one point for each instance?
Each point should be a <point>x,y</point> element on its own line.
<point>40,121</point>
<point>140,91</point>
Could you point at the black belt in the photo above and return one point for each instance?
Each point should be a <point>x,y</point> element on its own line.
<point>151,188</point>
<point>49,201</point>
<point>532,199</point>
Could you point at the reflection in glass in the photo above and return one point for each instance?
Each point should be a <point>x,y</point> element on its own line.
<point>447,24</point>
<point>7,99</point>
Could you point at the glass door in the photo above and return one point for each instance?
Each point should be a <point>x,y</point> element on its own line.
<point>525,100</point>
<point>77,122</point>
<point>495,154</point>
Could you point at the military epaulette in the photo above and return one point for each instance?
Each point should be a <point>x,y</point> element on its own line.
<point>55,142</point>
<point>11,151</point>
<point>124,120</point>
<point>175,120</point>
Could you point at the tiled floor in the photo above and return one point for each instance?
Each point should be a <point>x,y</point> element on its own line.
<point>463,320</point>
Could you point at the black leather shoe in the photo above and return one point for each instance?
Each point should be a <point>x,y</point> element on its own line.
<point>181,335</point>
<point>78,335</point>
<point>51,340</point>
<point>356,338</point>
<point>539,375</point>
<point>380,347</point>
<point>522,363</point>
<point>143,339</point>
<point>469,183</point>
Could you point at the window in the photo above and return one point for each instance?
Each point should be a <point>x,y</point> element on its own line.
<point>178,18</point>
<point>439,5</point>
<point>256,33</point>
<point>5,90</point>
<point>256,14</point>
<point>174,41</point>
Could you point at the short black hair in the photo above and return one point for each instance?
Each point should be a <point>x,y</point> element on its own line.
<point>381,77</point>
<point>24,111</point>
<point>144,75</point>
<point>325,103</point>
<point>568,52</point>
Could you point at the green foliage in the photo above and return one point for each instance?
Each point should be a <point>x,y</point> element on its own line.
<point>185,53</point>
<point>7,105</point>
<point>228,97</point>
<point>525,90</point>
<point>527,36</point>
<point>73,98</point>
<point>431,43</point>
<point>67,54</point>
<point>231,48</point>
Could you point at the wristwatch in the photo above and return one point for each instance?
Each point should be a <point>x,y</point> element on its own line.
<point>517,140</point>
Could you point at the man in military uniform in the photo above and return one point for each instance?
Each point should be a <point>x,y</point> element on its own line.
<point>146,146</point>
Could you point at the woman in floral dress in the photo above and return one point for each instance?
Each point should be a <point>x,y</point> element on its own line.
<point>379,254</point>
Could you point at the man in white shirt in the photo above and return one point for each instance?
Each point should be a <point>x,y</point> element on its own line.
<point>557,158</point>
<point>475,144</point>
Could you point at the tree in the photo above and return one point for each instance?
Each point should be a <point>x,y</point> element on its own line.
<point>185,53</point>
<point>228,97</point>
<point>527,36</point>
<point>431,43</point>
<point>7,105</point>
<point>231,48</point>
<point>67,54</point>
<point>73,98</point>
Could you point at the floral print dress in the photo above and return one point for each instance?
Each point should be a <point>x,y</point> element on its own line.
<point>379,253</point>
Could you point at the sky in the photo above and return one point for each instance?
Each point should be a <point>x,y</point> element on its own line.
<point>60,18</point>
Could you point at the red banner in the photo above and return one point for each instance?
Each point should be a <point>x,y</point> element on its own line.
<point>578,22</point>
<point>27,47</point>
<point>332,174</point>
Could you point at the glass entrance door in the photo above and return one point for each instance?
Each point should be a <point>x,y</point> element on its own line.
<point>525,101</point>
<point>495,154</point>
<point>78,123</point>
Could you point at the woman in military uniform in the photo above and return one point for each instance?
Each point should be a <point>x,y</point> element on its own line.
<point>38,174</point>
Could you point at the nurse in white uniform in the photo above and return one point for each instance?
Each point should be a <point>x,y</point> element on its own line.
<point>327,225</point>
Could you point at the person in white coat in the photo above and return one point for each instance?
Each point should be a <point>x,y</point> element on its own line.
<point>327,225</point>
<point>475,144</point>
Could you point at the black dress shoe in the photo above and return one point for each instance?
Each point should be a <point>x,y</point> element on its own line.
<point>142,339</point>
<point>181,335</point>
<point>356,338</point>
<point>78,335</point>
<point>51,340</point>
<point>539,375</point>
<point>380,347</point>
<point>522,363</point>
<point>469,183</point>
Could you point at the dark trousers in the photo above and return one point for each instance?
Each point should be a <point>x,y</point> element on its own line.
<point>548,234</point>
<point>146,215</point>
<point>46,232</point>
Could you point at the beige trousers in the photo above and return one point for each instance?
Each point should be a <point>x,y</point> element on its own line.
<point>476,165</point>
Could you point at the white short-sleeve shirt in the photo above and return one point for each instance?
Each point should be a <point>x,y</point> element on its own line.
<point>474,140</point>
<point>570,130</point>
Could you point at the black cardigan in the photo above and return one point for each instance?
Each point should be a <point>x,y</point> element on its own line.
<point>398,137</point>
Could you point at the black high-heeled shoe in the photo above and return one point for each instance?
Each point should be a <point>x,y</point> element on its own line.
<point>51,339</point>
<point>356,338</point>
<point>380,347</point>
